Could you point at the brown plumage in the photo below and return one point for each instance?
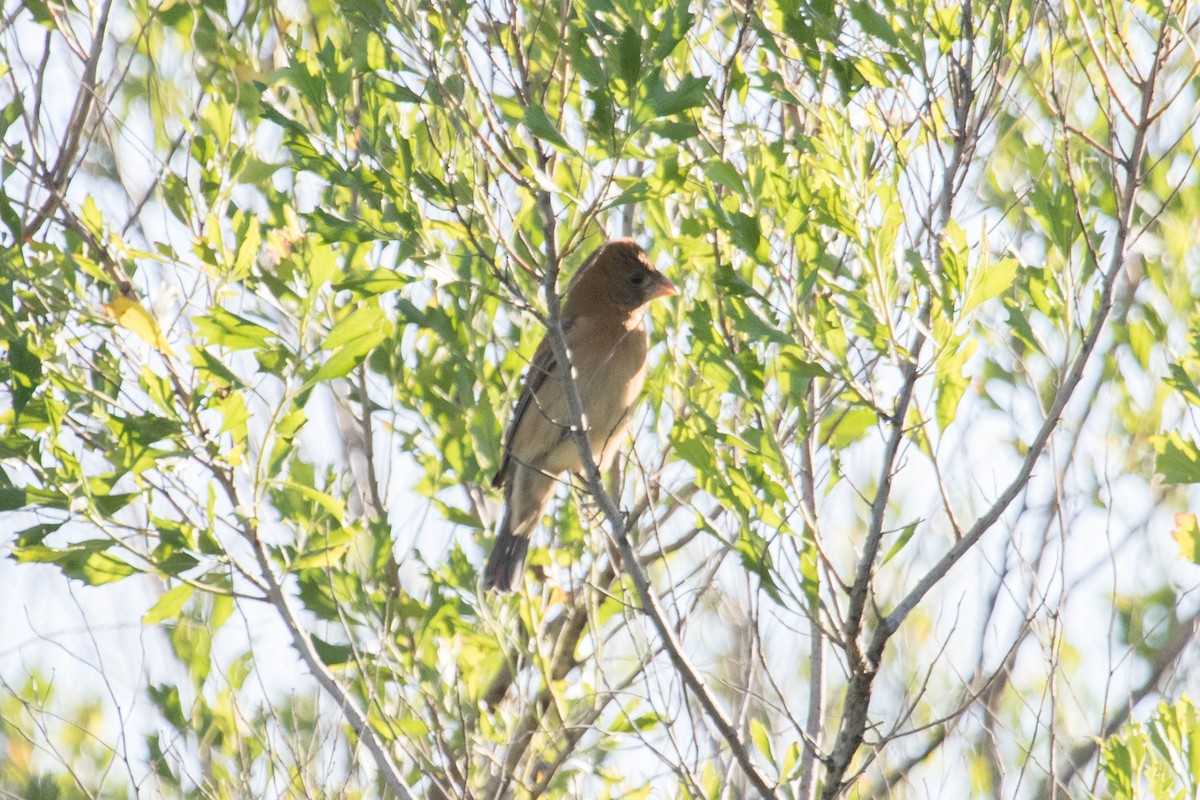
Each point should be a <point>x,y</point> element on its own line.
<point>607,342</point>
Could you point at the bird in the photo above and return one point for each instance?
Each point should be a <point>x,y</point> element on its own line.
<point>607,342</point>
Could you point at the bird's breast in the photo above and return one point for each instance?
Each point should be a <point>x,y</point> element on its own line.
<point>610,377</point>
<point>609,362</point>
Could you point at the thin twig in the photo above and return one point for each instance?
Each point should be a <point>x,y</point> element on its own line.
<point>617,526</point>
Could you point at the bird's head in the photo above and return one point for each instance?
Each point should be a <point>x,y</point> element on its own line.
<point>620,275</point>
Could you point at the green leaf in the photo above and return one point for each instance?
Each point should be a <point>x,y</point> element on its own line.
<point>350,339</point>
<point>955,258</point>
<point>746,232</point>
<point>31,537</point>
<point>398,92</point>
<point>674,29</point>
<point>629,61</point>
<point>689,94</point>
<point>1141,342</point>
<point>234,414</point>
<point>205,361</point>
<point>1178,459</point>
<point>332,655</point>
<point>169,604</point>
<point>792,358</point>
<point>543,128</point>
<point>247,253</point>
<point>750,547</point>
<point>361,323</point>
<point>1118,768</point>
<point>174,563</point>
<point>222,610</point>
<point>14,497</point>
<point>332,228</point>
<point>901,541</point>
<point>1182,383</point>
<point>725,174</point>
<point>1187,535</point>
<point>791,763</point>
<point>753,327</point>
<point>762,739</point>
<point>990,282</point>
<point>367,48</point>
<point>255,172</point>
<point>98,568</point>
<point>227,329</point>
<point>951,382</point>
<point>324,552</point>
<point>845,428</point>
<point>10,114</point>
<point>109,504</point>
<point>872,73</point>
<point>873,23</point>
<point>8,214</point>
<point>372,282</point>
<point>26,371</point>
<point>330,504</point>
<point>1019,326</point>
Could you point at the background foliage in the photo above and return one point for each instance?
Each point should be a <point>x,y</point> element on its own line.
<point>896,516</point>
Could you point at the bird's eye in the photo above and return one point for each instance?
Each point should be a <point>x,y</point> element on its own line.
<point>637,278</point>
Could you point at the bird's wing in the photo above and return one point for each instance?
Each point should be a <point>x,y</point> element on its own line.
<point>541,367</point>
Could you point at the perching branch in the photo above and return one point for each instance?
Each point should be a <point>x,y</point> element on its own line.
<point>617,528</point>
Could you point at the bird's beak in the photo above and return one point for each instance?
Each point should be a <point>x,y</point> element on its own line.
<point>663,288</point>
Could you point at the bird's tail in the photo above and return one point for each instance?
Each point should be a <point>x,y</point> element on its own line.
<point>527,492</point>
<point>507,561</point>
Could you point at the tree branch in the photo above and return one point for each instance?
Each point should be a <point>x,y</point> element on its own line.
<point>617,527</point>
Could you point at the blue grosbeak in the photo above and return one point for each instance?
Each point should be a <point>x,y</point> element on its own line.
<point>607,342</point>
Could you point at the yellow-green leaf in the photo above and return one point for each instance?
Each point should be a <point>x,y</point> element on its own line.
<point>132,316</point>
<point>169,604</point>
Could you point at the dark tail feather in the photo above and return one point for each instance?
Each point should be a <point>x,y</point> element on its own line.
<point>505,564</point>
